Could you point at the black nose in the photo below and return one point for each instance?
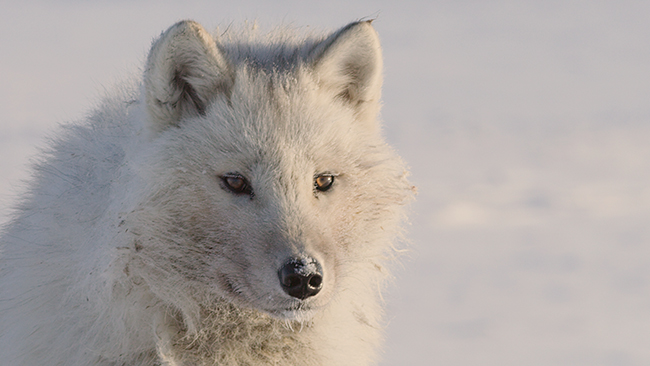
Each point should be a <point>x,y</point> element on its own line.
<point>301,278</point>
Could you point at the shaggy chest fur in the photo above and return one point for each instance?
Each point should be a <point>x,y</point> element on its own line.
<point>233,336</point>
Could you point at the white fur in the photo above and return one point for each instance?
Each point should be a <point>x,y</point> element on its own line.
<point>129,250</point>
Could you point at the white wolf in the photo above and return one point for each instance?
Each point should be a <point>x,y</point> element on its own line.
<point>233,209</point>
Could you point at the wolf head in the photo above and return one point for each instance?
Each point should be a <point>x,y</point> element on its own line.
<point>268,183</point>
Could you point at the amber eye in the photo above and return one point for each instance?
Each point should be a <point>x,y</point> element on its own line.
<point>237,184</point>
<point>323,182</point>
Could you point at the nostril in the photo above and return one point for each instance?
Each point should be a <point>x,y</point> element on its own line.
<point>315,281</point>
<point>301,278</point>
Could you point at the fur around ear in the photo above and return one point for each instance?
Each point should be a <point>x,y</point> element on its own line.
<point>185,71</point>
<point>349,63</point>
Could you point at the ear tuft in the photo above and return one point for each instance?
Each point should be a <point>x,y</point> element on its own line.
<point>349,63</point>
<point>185,71</point>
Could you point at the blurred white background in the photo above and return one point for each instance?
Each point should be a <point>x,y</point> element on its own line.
<point>526,125</point>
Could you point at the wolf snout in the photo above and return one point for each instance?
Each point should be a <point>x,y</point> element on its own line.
<point>301,278</point>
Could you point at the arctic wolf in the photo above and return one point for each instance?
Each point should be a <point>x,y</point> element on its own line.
<point>235,207</point>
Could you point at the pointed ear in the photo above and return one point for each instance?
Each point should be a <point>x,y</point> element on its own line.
<point>184,72</point>
<point>349,63</point>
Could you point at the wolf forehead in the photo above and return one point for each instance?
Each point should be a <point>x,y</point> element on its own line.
<point>188,71</point>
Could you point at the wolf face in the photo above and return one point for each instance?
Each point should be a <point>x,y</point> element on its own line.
<point>269,184</point>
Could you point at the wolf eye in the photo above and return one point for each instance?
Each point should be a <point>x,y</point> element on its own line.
<point>324,182</point>
<point>237,184</point>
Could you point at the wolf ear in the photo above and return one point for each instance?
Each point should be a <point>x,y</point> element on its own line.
<point>349,63</point>
<point>184,72</point>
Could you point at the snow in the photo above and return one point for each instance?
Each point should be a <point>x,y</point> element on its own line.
<point>526,126</point>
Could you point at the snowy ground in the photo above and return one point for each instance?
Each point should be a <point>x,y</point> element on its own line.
<point>527,128</point>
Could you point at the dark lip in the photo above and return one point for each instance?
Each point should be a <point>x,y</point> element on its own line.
<point>299,308</point>
<point>296,308</point>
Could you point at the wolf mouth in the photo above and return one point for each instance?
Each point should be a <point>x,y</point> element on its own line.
<point>287,311</point>
<point>301,306</point>
<point>300,311</point>
<point>294,314</point>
